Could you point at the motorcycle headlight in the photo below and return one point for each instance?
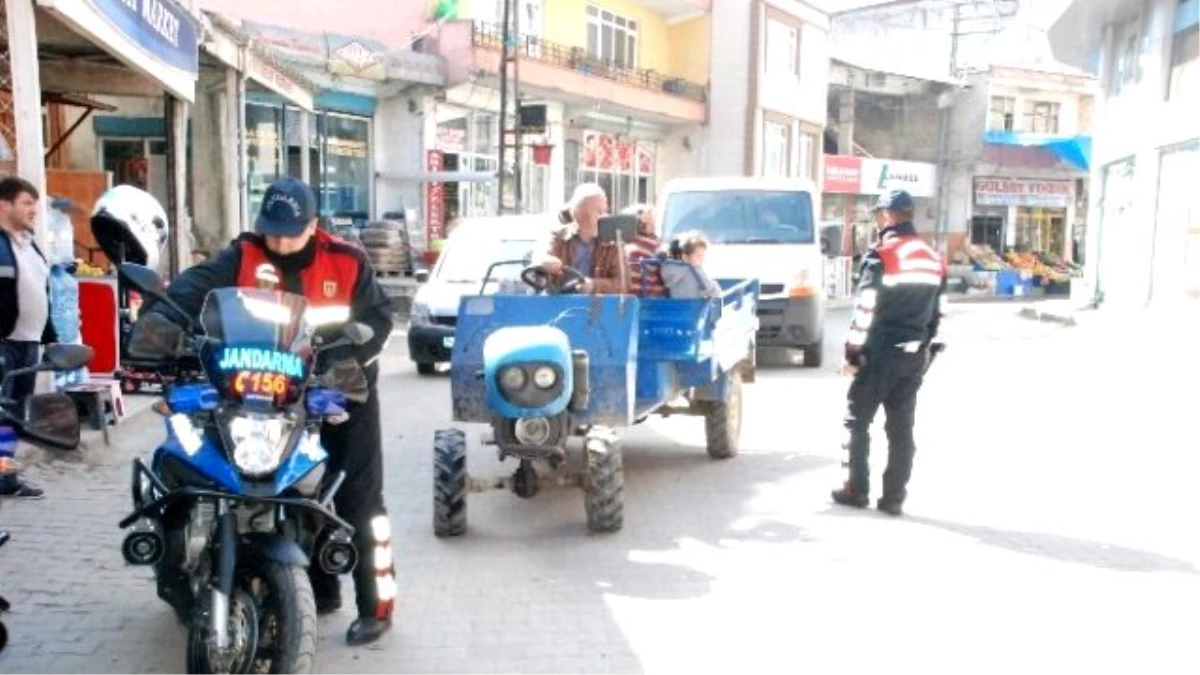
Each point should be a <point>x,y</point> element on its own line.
<point>420,314</point>
<point>259,442</point>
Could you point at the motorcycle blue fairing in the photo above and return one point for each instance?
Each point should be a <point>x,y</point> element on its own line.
<point>211,462</point>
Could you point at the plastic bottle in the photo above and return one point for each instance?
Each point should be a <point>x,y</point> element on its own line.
<point>61,233</point>
<point>64,314</point>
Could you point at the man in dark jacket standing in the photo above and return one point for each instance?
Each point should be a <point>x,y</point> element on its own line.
<point>896,317</point>
<point>24,303</point>
<point>289,253</point>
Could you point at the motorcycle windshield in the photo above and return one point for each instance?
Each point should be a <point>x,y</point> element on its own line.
<point>260,350</point>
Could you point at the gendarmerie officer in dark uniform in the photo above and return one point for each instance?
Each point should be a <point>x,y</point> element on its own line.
<point>898,307</point>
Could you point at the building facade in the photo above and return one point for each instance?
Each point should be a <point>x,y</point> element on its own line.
<point>1145,245</point>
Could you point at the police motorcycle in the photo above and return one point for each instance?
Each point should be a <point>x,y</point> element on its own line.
<point>236,502</point>
<point>49,419</point>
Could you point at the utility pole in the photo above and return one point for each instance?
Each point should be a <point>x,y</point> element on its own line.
<point>510,90</point>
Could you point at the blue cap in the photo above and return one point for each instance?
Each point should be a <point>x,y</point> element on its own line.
<point>287,208</point>
<point>896,200</point>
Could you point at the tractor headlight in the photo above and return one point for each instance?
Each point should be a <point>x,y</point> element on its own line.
<point>512,378</point>
<point>545,377</point>
<point>259,442</point>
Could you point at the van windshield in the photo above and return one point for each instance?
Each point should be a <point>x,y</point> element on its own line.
<point>742,216</point>
<point>467,262</point>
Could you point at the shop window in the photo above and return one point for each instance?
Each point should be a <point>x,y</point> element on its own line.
<point>623,167</point>
<point>1185,65</point>
<point>1042,230</point>
<point>263,151</point>
<point>347,181</point>
<point>988,231</point>
<point>776,139</point>
<point>1041,117</point>
<point>782,48</point>
<point>808,157</point>
<point>612,38</point>
<point>1002,114</point>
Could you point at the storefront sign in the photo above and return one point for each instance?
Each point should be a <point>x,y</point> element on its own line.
<point>157,37</point>
<point>353,56</point>
<point>1057,194</point>
<point>435,212</point>
<point>883,175</point>
<point>849,175</point>
<point>272,78</point>
<point>451,139</point>
<point>606,152</point>
<point>843,174</point>
<point>160,27</point>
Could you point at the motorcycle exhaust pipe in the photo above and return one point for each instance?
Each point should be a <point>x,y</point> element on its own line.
<point>338,555</point>
<point>145,545</point>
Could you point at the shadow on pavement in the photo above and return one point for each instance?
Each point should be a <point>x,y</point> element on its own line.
<point>1065,549</point>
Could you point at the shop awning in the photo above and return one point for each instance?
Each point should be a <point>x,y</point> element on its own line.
<point>440,177</point>
<point>155,37</point>
<point>260,63</point>
<point>1074,150</point>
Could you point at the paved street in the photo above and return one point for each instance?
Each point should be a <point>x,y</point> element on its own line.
<point>1048,530</point>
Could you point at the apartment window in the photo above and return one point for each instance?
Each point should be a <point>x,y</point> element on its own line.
<point>1041,117</point>
<point>1002,115</point>
<point>1127,70</point>
<point>776,139</point>
<point>611,38</point>
<point>783,48</point>
<point>808,158</point>
<point>1185,51</point>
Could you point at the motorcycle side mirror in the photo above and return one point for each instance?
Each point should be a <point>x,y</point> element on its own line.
<point>67,357</point>
<point>151,284</point>
<point>51,419</point>
<point>358,333</point>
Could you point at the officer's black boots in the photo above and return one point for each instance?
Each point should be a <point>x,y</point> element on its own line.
<point>367,629</point>
<point>847,496</point>
<point>889,506</point>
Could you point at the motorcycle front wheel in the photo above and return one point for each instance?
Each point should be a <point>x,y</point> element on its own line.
<point>285,635</point>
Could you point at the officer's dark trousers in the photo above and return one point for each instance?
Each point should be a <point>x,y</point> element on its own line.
<point>892,379</point>
<point>355,447</point>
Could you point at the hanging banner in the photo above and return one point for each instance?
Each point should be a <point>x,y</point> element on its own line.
<point>435,210</point>
<point>843,174</point>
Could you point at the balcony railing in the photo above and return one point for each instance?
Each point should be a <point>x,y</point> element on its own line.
<point>491,36</point>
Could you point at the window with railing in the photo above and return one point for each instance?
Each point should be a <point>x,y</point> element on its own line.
<point>611,38</point>
<point>1041,117</point>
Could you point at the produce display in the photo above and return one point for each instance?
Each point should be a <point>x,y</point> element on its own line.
<point>1030,262</point>
<point>983,256</point>
<point>84,269</point>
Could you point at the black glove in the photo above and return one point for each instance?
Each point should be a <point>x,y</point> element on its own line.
<point>347,376</point>
<point>155,338</point>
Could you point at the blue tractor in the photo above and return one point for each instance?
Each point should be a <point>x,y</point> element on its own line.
<point>542,368</point>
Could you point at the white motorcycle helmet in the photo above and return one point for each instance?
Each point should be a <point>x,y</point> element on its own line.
<point>130,226</point>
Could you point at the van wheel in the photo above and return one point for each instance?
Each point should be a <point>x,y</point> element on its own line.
<point>426,368</point>
<point>814,353</point>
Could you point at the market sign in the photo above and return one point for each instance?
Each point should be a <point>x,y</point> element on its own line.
<point>843,174</point>
<point>1056,194</point>
<point>157,37</point>
<point>919,179</point>
<point>272,78</point>
<point>435,209</point>
<point>353,56</point>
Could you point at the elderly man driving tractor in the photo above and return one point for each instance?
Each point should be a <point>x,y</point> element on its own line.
<point>576,245</point>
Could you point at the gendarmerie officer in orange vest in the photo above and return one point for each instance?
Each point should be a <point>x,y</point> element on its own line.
<point>288,252</point>
<point>898,307</point>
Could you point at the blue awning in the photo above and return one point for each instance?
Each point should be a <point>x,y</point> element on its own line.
<point>1074,150</point>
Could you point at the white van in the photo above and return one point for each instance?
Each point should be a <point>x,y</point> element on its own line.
<point>764,228</point>
<point>473,246</point>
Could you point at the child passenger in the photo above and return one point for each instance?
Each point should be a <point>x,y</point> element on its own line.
<point>689,280</point>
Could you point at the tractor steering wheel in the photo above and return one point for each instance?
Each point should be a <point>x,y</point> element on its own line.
<point>537,278</point>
